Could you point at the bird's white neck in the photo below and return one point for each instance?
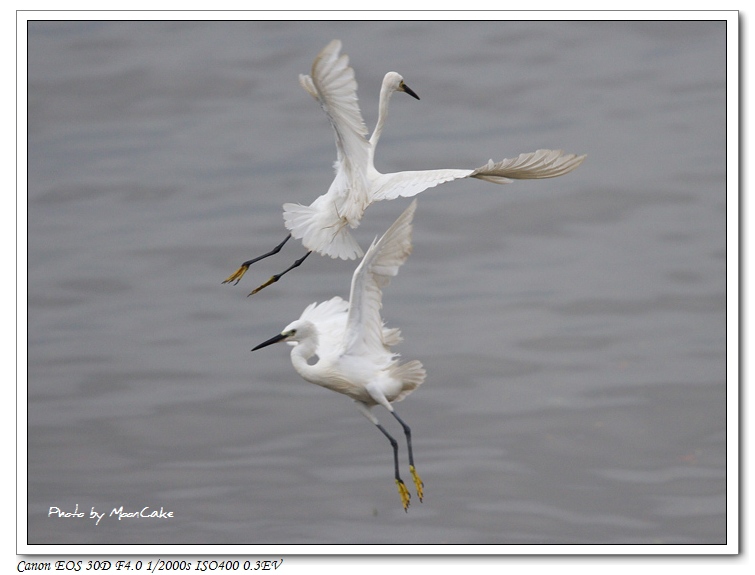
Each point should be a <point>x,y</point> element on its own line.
<point>385,95</point>
<point>301,352</point>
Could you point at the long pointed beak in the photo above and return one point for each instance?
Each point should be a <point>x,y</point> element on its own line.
<point>270,341</point>
<point>409,91</point>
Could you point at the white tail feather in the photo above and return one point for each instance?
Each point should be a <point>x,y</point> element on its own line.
<point>411,375</point>
<point>320,232</point>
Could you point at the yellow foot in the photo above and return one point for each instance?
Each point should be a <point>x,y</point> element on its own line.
<point>417,482</point>
<point>404,493</point>
<point>237,275</point>
<point>272,280</point>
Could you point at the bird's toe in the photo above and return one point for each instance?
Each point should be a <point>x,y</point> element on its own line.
<point>403,493</point>
<point>418,484</point>
<point>237,275</point>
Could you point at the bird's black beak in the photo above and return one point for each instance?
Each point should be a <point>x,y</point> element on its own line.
<point>409,91</point>
<point>270,341</point>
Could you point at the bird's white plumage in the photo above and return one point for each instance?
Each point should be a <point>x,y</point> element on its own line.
<point>324,225</point>
<point>350,340</point>
<point>526,166</point>
<point>364,328</point>
<point>333,84</point>
<point>329,318</point>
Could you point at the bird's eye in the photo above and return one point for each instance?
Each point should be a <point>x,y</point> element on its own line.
<point>291,333</point>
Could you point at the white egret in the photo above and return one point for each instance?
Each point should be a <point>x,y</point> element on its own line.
<point>323,225</point>
<point>352,344</point>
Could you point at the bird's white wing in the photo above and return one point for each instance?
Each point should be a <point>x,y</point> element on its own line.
<point>332,83</point>
<point>411,183</point>
<point>364,327</point>
<point>531,165</point>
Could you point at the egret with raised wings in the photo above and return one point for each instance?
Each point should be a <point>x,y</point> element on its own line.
<point>323,226</point>
<point>352,344</point>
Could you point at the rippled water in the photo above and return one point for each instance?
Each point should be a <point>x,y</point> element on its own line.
<point>573,330</point>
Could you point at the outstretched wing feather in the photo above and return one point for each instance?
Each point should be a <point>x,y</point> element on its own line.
<point>365,333</point>
<point>530,165</point>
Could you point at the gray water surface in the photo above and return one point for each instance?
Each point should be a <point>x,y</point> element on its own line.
<point>573,330</point>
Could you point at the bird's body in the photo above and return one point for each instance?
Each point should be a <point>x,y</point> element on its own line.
<point>343,369</point>
<point>324,225</point>
<point>353,346</point>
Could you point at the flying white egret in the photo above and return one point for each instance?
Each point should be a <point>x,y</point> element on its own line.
<point>352,344</point>
<point>323,225</point>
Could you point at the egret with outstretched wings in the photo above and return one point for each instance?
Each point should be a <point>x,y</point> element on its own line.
<point>323,226</point>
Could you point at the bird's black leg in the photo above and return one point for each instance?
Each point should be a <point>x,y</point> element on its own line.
<point>402,490</point>
<point>239,273</point>
<point>276,277</point>
<point>408,432</point>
